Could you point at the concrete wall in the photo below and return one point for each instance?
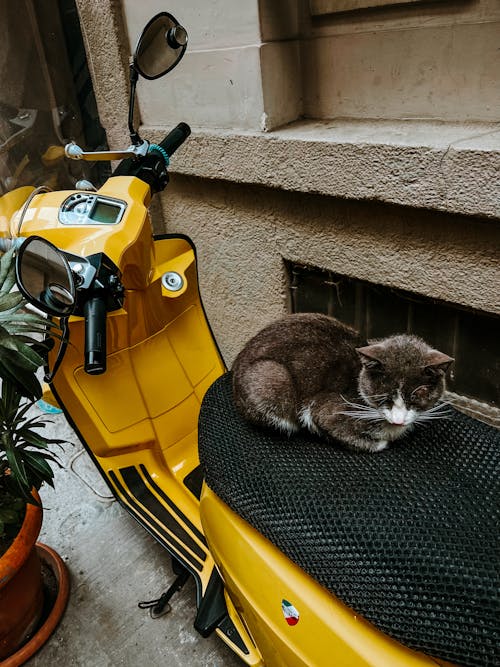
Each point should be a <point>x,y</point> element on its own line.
<point>413,204</point>
<point>229,77</point>
<point>434,60</point>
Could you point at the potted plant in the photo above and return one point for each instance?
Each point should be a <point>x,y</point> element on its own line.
<point>25,464</point>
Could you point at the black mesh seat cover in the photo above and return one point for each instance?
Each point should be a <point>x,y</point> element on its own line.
<point>406,537</point>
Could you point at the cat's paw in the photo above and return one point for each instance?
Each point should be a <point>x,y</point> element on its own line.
<point>379,445</point>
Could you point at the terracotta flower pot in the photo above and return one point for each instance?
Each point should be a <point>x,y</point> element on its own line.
<point>54,562</point>
<point>21,593</point>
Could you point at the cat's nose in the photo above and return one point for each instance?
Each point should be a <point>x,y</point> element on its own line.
<point>397,415</point>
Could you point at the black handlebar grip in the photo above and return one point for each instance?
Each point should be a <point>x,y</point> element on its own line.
<point>175,138</point>
<point>94,311</point>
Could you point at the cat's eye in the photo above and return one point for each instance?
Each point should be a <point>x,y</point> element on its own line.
<point>421,392</point>
<point>374,366</point>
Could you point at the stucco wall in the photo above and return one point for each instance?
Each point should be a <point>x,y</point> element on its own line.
<point>243,234</point>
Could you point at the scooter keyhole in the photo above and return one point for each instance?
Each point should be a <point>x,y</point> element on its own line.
<point>172,281</point>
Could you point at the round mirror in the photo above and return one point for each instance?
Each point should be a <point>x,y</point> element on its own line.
<point>160,47</point>
<point>44,277</point>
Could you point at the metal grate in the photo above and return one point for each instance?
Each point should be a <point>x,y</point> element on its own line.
<point>471,337</point>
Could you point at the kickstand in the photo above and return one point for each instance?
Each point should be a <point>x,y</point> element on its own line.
<point>161,606</point>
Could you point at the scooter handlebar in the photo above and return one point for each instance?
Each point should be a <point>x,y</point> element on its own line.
<point>94,311</point>
<point>175,138</point>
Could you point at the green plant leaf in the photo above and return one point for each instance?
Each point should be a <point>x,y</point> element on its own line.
<point>32,438</point>
<point>25,457</point>
<point>10,301</point>
<point>38,464</point>
<point>22,410</point>
<point>18,471</point>
<point>24,381</point>
<point>29,423</point>
<point>10,278</point>
<point>26,355</point>
<point>8,515</point>
<point>6,265</point>
<point>33,318</point>
<point>48,456</point>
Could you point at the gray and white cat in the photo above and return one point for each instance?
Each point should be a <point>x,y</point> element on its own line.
<point>311,371</point>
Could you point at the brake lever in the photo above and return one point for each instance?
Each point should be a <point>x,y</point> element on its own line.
<point>74,152</point>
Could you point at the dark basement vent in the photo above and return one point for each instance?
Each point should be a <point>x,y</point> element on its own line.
<point>471,337</point>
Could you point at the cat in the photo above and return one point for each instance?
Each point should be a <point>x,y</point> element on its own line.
<point>311,371</point>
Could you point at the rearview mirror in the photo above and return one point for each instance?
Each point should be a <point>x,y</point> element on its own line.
<point>45,278</point>
<point>160,47</point>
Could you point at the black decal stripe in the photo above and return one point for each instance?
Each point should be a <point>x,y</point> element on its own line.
<point>164,538</point>
<point>140,491</point>
<point>172,506</point>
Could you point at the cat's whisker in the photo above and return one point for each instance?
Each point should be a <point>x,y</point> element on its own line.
<point>439,406</point>
<point>429,416</point>
<point>361,406</point>
<point>361,411</point>
<point>366,419</point>
<point>438,410</point>
<point>367,415</point>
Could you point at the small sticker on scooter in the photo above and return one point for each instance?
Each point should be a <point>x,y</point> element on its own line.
<point>291,615</point>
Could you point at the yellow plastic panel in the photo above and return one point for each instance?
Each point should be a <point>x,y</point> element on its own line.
<point>167,250</point>
<point>87,418</point>
<point>9,204</point>
<point>128,244</point>
<point>253,657</point>
<point>202,388</point>
<point>182,457</point>
<point>154,523</point>
<point>192,344</point>
<point>118,397</point>
<point>159,373</point>
<point>48,396</point>
<point>180,265</point>
<point>259,577</point>
<point>177,423</point>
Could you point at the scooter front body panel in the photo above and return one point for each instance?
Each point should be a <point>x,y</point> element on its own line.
<point>138,420</point>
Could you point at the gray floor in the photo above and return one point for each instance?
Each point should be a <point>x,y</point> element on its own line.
<point>114,564</point>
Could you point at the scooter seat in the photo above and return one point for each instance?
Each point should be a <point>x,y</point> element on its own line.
<point>408,535</point>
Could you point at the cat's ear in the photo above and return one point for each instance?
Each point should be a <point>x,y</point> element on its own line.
<point>371,356</point>
<point>437,363</point>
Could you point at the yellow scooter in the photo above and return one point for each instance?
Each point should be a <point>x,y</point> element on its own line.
<point>302,553</point>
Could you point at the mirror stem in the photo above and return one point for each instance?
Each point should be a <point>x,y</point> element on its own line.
<point>135,138</point>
